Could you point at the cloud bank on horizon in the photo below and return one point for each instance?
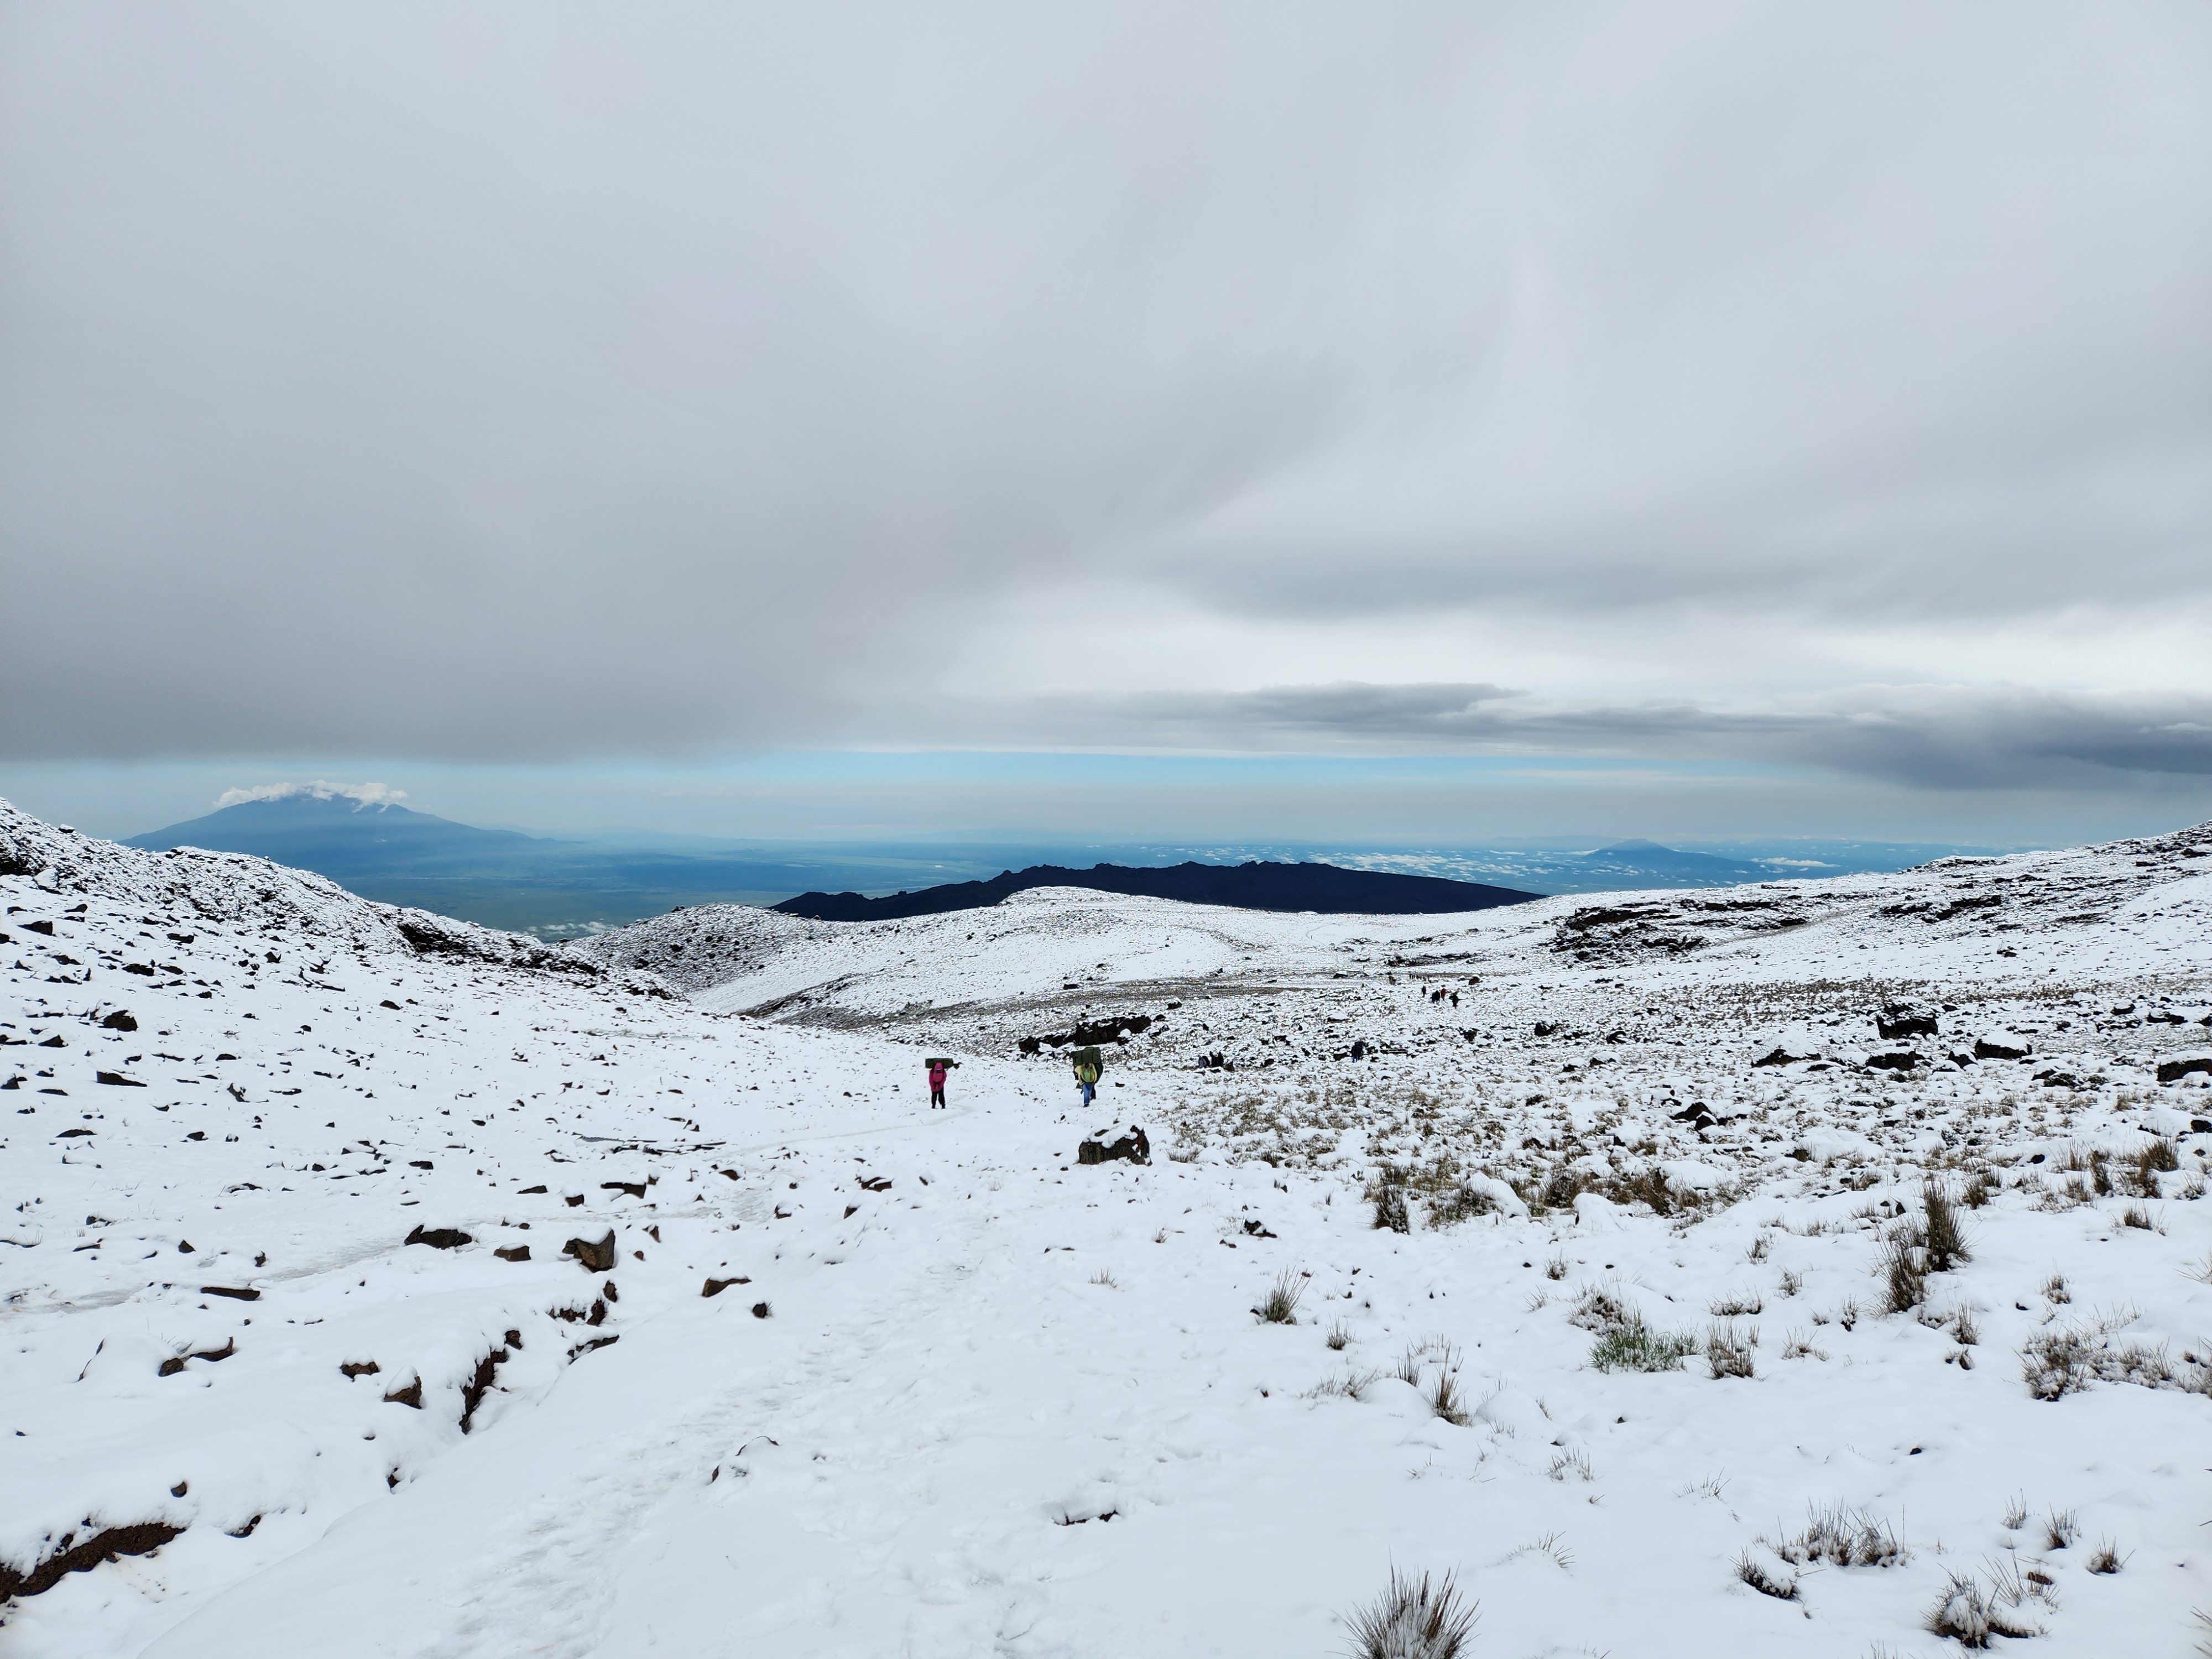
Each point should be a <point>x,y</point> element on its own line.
<point>1822,386</point>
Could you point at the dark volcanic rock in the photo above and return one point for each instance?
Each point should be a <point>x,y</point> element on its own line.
<point>1900,1020</point>
<point>1985,1049</point>
<point>596,1258</point>
<point>2173,1071</point>
<point>1134,1146</point>
<point>120,1020</point>
<point>440,1239</point>
<point>141,1538</point>
<point>513,1253</point>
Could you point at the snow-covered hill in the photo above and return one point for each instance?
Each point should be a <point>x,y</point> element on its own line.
<point>956,1393</point>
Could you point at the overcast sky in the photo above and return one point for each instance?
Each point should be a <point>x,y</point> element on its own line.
<point>1815,394</point>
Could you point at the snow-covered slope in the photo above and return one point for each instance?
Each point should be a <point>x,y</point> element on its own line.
<point>956,1393</point>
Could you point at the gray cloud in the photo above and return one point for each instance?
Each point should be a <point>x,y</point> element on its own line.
<point>1933,737</point>
<point>488,383</point>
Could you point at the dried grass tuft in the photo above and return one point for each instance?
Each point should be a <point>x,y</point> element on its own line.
<point>1414,1618</point>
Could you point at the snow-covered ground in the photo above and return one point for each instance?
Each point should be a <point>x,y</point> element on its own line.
<point>965,1395</point>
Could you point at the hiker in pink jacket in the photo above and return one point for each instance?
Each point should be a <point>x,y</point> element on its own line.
<point>937,1082</point>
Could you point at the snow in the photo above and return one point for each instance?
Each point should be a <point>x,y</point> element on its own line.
<point>1010,1404</point>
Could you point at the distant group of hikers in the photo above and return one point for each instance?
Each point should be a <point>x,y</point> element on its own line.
<point>1087,1062</point>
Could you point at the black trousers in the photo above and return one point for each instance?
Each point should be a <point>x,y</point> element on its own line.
<point>936,1097</point>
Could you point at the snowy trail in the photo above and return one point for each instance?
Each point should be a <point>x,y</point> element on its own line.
<point>1007,1404</point>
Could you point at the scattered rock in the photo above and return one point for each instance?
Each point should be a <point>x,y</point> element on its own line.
<point>116,1080</point>
<point>1985,1049</point>
<point>359,1368</point>
<point>634,1188</point>
<point>245,1293</point>
<point>141,1539</point>
<point>596,1258</point>
<point>1901,1019</point>
<point>2173,1071</point>
<point>119,1021</point>
<point>410,1395</point>
<point>761,1310</point>
<point>513,1253</point>
<point>716,1286</point>
<point>477,1386</point>
<point>1135,1147</point>
<point>175,1363</point>
<point>540,1187</point>
<point>440,1239</point>
<point>1905,1061</point>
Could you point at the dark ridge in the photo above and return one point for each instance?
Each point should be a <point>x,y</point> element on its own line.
<point>1318,887</point>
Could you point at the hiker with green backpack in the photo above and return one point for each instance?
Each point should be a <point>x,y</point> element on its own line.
<point>1088,1066</point>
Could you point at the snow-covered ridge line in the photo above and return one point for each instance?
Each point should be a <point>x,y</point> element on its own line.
<point>238,890</point>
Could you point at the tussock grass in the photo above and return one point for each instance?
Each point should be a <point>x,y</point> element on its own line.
<point>1390,1211</point>
<point>1280,1305</point>
<point>1352,1385</point>
<point>2136,1216</point>
<point>1904,1279</point>
<point>1739,1306</point>
<point>1338,1337</point>
<point>1980,1190</point>
<point>1942,1238</point>
<point>1728,1351</point>
<point>1571,1465</point>
<point>1603,1307</point>
<point>1556,1268</point>
<point>1414,1618</point>
<point>1970,1615</point>
<point>1638,1348</point>
<point>2060,1529</point>
<point>2060,1360</point>
<point>1461,1203</point>
<point>1103,1277</point>
<point>1842,1537</point>
<point>1444,1397</point>
<point>2107,1558</point>
<point>1783,1587</point>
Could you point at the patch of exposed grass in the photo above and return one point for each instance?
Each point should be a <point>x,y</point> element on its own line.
<point>1782,1586</point>
<point>1842,1537</point>
<point>1728,1351</point>
<point>1280,1305</point>
<point>1904,1279</point>
<point>1942,1238</point>
<point>1638,1348</point>
<point>2060,1360</point>
<point>1414,1618</point>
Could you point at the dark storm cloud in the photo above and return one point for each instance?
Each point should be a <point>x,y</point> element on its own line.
<point>505,382</point>
<point>1938,736</point>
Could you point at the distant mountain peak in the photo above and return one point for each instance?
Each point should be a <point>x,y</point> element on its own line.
<point>365,796</point>
<point>1634,844</point>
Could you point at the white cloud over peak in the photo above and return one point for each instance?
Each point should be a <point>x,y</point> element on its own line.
<point>368,794</point>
